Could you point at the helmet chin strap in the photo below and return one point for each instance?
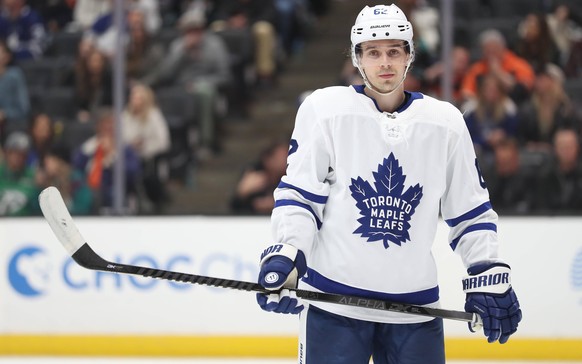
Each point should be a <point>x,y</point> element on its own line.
<point>375,89</point>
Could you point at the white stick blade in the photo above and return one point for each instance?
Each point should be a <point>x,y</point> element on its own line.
<point>59,219</point>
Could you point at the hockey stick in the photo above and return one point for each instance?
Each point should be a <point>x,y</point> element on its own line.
<point>58,217</point>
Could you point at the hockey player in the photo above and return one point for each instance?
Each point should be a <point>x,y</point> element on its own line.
<point>369,169</point>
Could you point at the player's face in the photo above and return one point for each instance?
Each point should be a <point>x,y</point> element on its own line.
<point>384,62</point>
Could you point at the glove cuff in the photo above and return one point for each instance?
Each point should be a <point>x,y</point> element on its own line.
<point>285,250</point>
<point>495,278</point>
<point>283,261</point>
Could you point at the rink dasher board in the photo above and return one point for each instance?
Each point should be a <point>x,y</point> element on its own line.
<point>50,305</point>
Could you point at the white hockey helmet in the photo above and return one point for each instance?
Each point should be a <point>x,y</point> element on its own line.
<point>381,22</point>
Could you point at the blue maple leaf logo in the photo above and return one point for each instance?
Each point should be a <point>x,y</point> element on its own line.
<point>387,209</point>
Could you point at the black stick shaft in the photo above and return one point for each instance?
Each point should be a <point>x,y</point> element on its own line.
<point>88,258</point>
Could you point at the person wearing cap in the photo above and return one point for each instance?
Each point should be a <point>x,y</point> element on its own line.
<point>197,61</point>
<point>18,190</point>
<point>371,168</point>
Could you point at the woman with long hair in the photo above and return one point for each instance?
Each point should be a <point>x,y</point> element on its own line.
<point>145,129</point>
<point>548,109</point>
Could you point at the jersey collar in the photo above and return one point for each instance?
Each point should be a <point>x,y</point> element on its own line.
<point>410,97</point>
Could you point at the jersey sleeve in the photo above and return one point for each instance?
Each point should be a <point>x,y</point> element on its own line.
<point>301,196</point>
<point>465,205</point>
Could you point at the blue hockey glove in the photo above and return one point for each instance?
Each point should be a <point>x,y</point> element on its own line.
<point>281,266</point>
<point>490,295</point>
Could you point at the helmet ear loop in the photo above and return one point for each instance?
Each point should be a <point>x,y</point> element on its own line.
<point>358,65</point>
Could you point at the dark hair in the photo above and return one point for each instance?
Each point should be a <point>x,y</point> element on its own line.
<point>358,47</point>
<point>60,151</point>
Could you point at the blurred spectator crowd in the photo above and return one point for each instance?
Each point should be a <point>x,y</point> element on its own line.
<point>189,65</point>
<point>192,64</point>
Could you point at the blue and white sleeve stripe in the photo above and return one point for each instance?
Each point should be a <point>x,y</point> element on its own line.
<point>479,210</point>
<point>306,194</point>
<point>477,219</point>
<point>308,199</point>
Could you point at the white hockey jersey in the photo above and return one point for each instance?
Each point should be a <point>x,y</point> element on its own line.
<point>362,195</point>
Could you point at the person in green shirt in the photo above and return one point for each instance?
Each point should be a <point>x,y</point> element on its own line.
<point>18,190</point>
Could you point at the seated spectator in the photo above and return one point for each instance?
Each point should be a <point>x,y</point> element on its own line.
<point>514,73</point>
<point>535,43</point>
<point>104,34</point>
<point>295,21</point>
<point>86,13</point>
<point>511,189</point>
<point>548,109</point>
<point>240,46</point>
<point>145,129</point>
<point>56,14</point>
<point>56,170</point>
<point>18,191</point>
<point>96,158</point>
<point>254,190</point>
<point>23,30</point>
<point>143,52</point>
<point>425,21</point>
<point>93,81</point>
<point>566,30</point>
<point>492,117</point>
<point>151,12</point>
<point>561,187</point>
<point>170,11</point>
<point>197,61</point>
<point>14,98</point>
<point>258,17</point>
<point>460,60</point>
<point>41,133</point>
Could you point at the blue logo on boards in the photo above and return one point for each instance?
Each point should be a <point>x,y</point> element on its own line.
<point>33,272</point>
<point>386,209</point>
<point>577,272</point>
<point>28,271</point>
